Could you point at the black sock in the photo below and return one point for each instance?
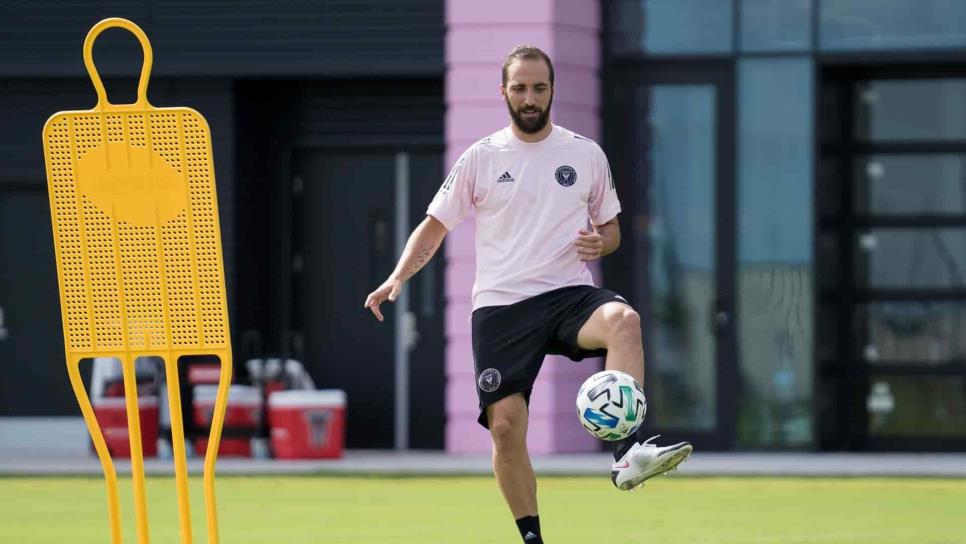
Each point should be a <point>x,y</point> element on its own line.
<point>529,527</point>
<point>621,447</point>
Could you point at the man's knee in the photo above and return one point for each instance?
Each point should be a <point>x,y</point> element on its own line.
<point>623,325</point>
<point>505,432</point>
<point>507,419</point>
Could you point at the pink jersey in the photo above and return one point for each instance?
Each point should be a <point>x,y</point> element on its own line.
<point>530,200</point>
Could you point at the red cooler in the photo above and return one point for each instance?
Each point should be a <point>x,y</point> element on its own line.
<point>242,416</point>
<point>111,413</point>
<point>307,424</point>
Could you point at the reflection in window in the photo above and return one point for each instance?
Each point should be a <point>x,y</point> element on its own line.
<point>670,26</point>
<point>680,260</point>
<point>774,276</point>
<point>776,25</point>
<point>891,24</point>
<point>917,109</point>
<point>914,406</point>
<point>911,184</point>
<point>912,332</point>
<point>930,258</point>
<point>687,26</point>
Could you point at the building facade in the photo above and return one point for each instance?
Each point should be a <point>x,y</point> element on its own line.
<point>796,174</point>
<point>792,173</point>
<point>316,109</point>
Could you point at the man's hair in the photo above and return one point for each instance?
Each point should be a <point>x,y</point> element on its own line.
<point>526,52</point>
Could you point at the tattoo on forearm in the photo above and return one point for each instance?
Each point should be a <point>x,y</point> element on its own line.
<point>421,259</point>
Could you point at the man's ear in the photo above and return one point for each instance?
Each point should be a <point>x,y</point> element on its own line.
<point>503,91</point>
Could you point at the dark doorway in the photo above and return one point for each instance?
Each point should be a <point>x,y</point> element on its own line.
<point>344,246</point>
<point>34,378</point>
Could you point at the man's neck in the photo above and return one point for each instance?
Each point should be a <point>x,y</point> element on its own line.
<point>531,138</point>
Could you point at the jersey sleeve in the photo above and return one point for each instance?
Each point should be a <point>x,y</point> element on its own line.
<point>454,198</point>
<point>603,205</point>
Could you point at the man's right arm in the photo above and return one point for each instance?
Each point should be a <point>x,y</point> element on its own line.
<point>422,245</point>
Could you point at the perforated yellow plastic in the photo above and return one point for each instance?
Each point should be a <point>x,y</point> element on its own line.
<point>139,260</point>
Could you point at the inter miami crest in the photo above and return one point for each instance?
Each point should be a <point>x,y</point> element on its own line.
<point>566,176</point>
<point>489,380</point>
<point>318,424</point>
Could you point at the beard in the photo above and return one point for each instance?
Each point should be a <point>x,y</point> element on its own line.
<point>530,126</point>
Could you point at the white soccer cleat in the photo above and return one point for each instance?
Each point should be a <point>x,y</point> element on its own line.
<point>644,461</point>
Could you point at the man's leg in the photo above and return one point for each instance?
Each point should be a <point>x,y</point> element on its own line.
<point>616,327</point>
<point>507,418</point>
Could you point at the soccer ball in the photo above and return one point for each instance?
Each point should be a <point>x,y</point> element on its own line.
<point>611,405</point>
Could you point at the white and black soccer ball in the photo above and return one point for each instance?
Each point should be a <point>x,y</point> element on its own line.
<point>611,405</point>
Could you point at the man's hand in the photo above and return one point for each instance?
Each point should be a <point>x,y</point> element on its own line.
<point>388,290</point>
<point>422,244</point>
<point>590,245</point>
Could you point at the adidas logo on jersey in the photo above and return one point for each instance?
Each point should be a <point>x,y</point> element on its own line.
<point>505,178</point>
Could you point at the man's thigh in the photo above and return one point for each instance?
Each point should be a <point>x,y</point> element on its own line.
<point>596,330</point>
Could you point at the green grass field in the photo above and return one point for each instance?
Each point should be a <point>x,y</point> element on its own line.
<point>294,510</point>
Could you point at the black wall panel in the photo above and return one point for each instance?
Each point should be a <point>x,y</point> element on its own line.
<point>27,104</point>
<point>276,118</point>
<point>271,78</point>
<point>215,38</point>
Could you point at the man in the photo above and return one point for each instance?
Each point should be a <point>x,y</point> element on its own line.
<point>535,187</point>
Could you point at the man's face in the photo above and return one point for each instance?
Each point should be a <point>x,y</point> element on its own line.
<point>528,94</point>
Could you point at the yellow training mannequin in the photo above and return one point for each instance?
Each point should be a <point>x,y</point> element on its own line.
<point>139,261</point>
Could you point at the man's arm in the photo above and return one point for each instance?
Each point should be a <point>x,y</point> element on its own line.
<point>604,240</point>
<point>422,245</point>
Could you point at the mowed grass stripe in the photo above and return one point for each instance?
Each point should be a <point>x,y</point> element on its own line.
<point>294,510</point>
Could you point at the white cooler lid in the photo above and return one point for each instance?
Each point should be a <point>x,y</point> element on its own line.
<point>237,394</point>
<point>324,397</point>
<point>108,402</point>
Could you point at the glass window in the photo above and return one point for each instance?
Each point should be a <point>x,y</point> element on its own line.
<point>775,160</point>
<point>680,255</point>
<point>903,258</point>
<point>908,110</point>
<point>916,406</point>
<point>687,26</point>
<point>891,24</point>
<point>774,276</point>
<point>670,26</point>
<point>913,332</point>
<point>911,184</point>
<point>776,25</point>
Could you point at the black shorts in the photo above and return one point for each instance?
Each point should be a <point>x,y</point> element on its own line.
<point>510,342</point>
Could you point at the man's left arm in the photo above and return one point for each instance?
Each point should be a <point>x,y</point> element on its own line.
<point>611,234</point>
<point>602,207</point>
<point>603,240</point>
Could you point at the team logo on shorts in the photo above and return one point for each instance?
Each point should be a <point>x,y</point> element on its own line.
<point>566,176</point>
<point>489,380</point>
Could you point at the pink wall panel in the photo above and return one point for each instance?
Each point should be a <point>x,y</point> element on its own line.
<point>499,12</point>
<point>459,353</point>
<point>577,14</point>
<point>479,35</point>
<point>485,45</point>
<point>460,275</point>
